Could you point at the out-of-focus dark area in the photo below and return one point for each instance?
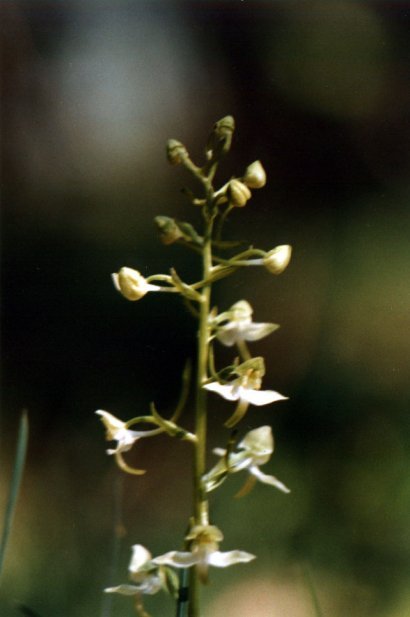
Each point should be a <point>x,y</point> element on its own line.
<point>320,92</point>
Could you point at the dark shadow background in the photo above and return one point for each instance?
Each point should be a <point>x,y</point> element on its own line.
<point>320,92</point>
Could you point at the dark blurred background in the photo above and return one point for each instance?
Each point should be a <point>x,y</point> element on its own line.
<point>320,92</point>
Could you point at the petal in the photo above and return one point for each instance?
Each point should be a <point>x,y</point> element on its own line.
<point>229,558</point>
<point>125,590</point>
<point>228,335</point>
<point>261,397</point>
<point>228,392</point>
<point>271,480</point>
<point>259,441</point>
<point>177,559</point>
<point>110,422</point>
<point>256,331</point>
<point>140,556</point>
<point>219,451</point>
<point>237,460</point>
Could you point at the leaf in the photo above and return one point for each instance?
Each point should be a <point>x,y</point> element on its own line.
<point>16,478</point>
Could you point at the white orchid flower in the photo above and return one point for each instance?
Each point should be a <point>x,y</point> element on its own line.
<point>146,576</point>
<point>116,430</point>
<point>204,552</point>
<point>245,389</point>
<point>240,327</point>
<point>256,449</point>
<point>131,284</point>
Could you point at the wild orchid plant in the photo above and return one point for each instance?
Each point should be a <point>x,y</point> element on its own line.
<point>240,382</point>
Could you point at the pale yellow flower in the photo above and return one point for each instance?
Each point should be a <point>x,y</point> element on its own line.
<point>131,284</point>
<point>204,552</point>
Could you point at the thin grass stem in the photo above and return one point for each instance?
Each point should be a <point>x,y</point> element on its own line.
<point>16,478</point>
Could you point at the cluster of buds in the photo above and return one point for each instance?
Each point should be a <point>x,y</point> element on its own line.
<point>240,382</point>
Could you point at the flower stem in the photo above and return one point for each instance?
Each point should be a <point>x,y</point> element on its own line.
<point>200,501</point>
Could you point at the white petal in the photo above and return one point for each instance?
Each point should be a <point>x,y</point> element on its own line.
<point>177,559</point>
<point>271,480</point>
<point>228,392</point>
<point>236,462</point>
<point>114,278</point>
<point>110,422</point>
<point>219,451</point>
<point>228,334</point>
<point>239,461</point>
<point>140,556</point>
<point>229,558</point>
<point>256,331</point>
<point>261,397</point>
<point>125,590</point>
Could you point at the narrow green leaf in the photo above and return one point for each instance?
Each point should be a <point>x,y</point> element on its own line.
<point>16,478</point>
<point>312,591</point>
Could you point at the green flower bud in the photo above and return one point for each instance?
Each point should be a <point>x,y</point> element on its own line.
<point>176,152</point>
<point>219,141</point>
<point>277,260</point>
<point>255,176</point>
<point>168,228</point>
<point>238,193</point>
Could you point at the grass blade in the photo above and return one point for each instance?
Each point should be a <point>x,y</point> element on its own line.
<point>17,475</point>
<point>312,591</point>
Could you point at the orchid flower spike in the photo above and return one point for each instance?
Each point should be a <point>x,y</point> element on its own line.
<point>255,449</point>
<point>131,284</point>
<point>204,552</point>
<point>246,389</point>
<point>239,326</point>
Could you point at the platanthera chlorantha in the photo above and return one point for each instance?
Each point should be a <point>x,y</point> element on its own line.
<point>239,383</point>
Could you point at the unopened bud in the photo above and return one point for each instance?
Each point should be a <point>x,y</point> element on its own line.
<point>130,283</point>
<point>255,176</point>
<point>176,152</point>
<point>168,228</point>
<point>277,260</point>
<point>238,193</point>
<point>220,139</point>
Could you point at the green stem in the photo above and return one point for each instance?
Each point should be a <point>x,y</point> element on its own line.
<point>201,514</point>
